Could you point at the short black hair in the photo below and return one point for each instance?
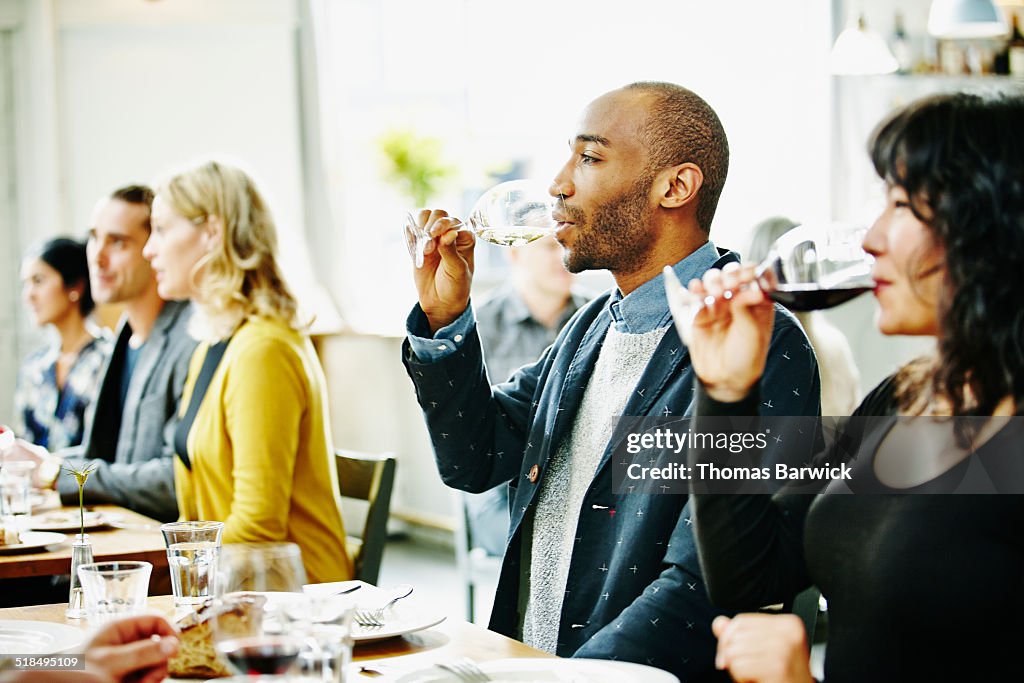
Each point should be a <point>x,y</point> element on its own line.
<point>67,257</point>
<point>683,128</point>
<point>136,194</point>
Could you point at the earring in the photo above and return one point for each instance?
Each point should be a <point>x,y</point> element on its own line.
<point>73,296</point>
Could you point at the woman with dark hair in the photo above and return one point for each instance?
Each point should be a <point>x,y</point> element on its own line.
<point>919,587</point>
<point>57,383</point>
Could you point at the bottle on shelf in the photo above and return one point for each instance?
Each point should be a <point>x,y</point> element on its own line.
<point>1015,48</point>
<point>900,46</point>
<point>952,58</point>
<point>1001,61</point>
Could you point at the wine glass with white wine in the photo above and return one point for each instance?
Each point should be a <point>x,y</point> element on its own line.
<point>511,214</point>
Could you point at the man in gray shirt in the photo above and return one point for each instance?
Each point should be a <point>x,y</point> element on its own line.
<point>127,429</point>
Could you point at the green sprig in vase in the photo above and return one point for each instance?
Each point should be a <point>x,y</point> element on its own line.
<point>81,549</point>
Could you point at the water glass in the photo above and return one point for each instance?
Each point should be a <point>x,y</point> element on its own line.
<point>192,551</point>
<point>114,589</point>
<point>329,638</point>
<point>15,485</point>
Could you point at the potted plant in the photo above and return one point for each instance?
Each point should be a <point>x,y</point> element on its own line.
<point>414,164</point>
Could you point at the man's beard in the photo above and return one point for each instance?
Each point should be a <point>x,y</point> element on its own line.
<point>616,236</point>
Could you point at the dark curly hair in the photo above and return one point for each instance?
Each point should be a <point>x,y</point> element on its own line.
<point>960,158</point>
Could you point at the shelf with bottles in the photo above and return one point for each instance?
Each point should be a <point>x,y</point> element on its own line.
<point>906,46</point>
<point>942,79</point>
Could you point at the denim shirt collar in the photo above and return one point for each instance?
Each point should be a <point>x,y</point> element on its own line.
<point>645,309</point>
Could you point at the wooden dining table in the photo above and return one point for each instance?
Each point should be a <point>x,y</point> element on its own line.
<point>133,537</point>
<point>446,641</point>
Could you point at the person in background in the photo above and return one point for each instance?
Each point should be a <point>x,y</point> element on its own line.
<point>253,443</point>
<point>840,380</point>
<point>129,425</point>
<point>130,650</point>
<point>919,587</point>
<point>520,320</point>
<point>57,383</point>
<point>590,572</point>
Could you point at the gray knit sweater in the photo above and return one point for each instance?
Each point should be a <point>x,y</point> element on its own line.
<point>620,363</point>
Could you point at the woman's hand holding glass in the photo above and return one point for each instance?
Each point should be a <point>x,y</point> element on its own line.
<point>731,328</point>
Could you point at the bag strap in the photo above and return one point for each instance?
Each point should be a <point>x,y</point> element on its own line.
<point>213,355</point>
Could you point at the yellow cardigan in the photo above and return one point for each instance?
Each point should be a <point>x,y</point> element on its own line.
<point>261,451</point>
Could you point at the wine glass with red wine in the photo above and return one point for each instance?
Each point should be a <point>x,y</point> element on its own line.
<point>807,269</point>
<point>268,639</point>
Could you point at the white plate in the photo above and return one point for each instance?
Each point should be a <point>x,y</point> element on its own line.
<point>65,520</point>
<point>551,670</point>
<point>401,619</point>
<point>31,540</point>
<point>38,637</point>
<point>405,617</point>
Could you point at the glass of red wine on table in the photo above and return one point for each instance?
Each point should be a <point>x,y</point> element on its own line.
<point>807,269</point>
<point>261,624</point>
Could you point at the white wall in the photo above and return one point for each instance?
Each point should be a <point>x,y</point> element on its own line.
<point>110,92</point>
<point>9,257</point>
<point>146,90</point>
<point>501,81</point>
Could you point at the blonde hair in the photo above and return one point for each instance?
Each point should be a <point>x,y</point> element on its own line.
<point>240,275</point>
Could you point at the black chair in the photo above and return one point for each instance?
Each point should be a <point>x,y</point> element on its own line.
<point>369,477</point>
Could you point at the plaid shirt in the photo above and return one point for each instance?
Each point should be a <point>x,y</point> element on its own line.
<point>47,415</point>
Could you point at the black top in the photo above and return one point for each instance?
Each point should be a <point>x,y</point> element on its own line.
<point>919,586</point>
<point>210,362</point>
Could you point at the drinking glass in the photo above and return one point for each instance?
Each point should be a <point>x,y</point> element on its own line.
<point>260,567</point>
<point>192,549</point>
<point>511,214</point>
<point>329,637</point>
<point>15,485</point>
<point>274,572</point>
<point>114,589</point>
<point>7,439</point>
<point>806,269</point>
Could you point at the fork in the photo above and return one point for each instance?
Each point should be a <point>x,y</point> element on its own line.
<point>465,669</point>
<point>374,618</point>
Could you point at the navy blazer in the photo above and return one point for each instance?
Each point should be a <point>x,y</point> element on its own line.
<point>634,590</point>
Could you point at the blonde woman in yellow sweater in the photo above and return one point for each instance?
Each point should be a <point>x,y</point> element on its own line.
<point>254,444</point>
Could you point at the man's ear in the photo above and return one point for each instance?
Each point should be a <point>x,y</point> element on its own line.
<point>683,182</point>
